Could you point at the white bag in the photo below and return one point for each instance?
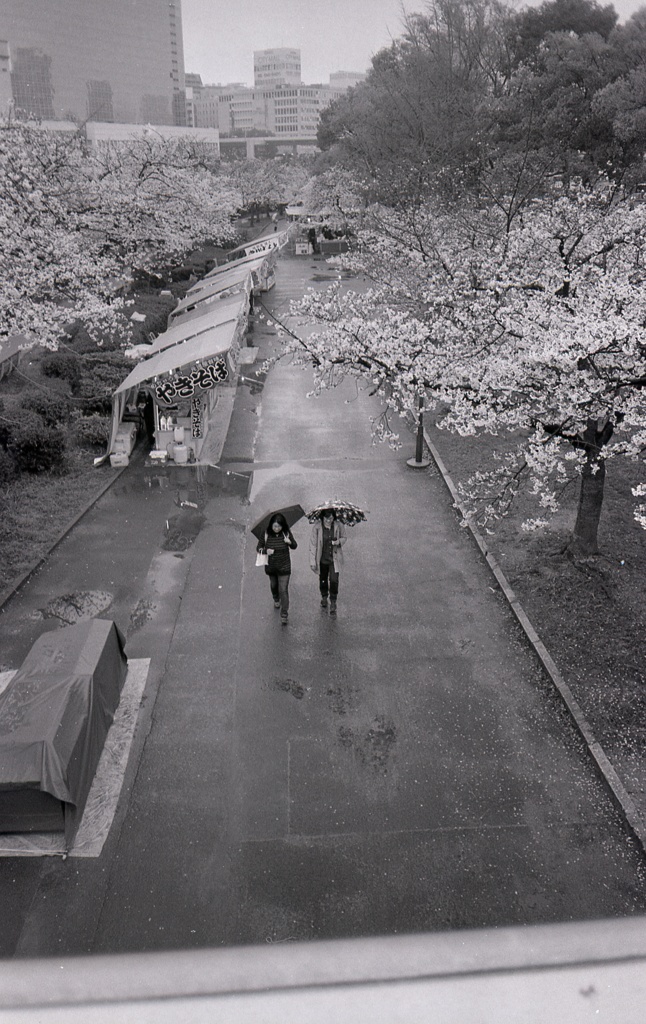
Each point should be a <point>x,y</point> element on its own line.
<point>262,558</point>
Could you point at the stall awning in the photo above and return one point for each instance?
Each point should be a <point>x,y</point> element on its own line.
<point>203,313</point>
<point>250,262</point>
<point>185,330</point>
<point>209,299</point>
<point>208,345</point>
<point>230,277</point>
<point>264,244</point>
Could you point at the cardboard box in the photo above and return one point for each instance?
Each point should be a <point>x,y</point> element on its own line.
<point>119,459</point>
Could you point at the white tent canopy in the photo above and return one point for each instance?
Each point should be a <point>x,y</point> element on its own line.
<point>264,244</point>
<point>235,280</point>
<point>253,262</point>
<point>206,345</point>
<point>231,277</point>
<point>198,316</point>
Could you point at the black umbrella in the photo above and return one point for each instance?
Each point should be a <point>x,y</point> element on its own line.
<point>292,514</point>
<point>345,512</point>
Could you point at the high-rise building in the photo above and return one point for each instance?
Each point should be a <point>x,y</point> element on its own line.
<point>193,89</point>
<point>98,60</point>
<point>276,67</point>
<point>5,77</point>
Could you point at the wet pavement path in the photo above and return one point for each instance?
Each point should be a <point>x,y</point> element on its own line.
<point>402,767</point>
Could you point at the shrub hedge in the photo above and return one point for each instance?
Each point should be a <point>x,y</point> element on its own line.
<point>92,431</point>
<point>35,447</point>
<point>65,365</point>
<point>102,374</point>
<point>55,409</point>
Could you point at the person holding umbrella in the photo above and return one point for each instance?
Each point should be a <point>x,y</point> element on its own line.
<point>276,541</point>
<point>326,544</point>
<point>326,555</point>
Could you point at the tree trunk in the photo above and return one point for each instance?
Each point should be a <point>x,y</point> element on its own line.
<point>584,540</point>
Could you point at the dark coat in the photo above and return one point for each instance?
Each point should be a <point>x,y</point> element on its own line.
<point>278,548</point>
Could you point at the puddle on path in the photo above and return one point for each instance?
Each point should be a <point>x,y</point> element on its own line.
<point>192,486</point>
<point>331,276</point>
<point>182,529</point>
<point>72,608</point>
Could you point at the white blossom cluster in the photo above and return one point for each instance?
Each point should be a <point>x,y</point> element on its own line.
<point>534,327</point>
<point>76,223</point>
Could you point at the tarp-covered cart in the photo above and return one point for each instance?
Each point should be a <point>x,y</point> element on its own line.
<point>54,717</point>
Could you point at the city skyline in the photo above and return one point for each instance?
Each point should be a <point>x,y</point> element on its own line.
<point>332,35</point>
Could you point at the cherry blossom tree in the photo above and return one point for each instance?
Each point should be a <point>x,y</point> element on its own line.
<point>265,183</point>
<point>336,193</point>
<point>77,222</point>
<point>51,269</point>
<point>534,329</point>
<point>154,199</point>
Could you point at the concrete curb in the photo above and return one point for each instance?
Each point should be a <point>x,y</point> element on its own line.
<point>618,791</point>
<point>7,594</point>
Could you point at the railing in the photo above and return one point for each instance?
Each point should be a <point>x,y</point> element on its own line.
<point>545,974</point>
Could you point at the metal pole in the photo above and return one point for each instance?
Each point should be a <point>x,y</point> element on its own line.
<point>419,462</point>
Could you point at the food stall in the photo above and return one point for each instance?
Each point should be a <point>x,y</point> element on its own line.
<point>184,379</point>
<point>261,262</point>
<point>261,268</point>
<point>259,246</point>
<point>217,297</point>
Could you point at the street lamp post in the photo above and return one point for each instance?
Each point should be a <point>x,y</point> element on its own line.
<point>419,462</point>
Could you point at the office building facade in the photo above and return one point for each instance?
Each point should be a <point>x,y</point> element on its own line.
<point>97,60</point>
<point>281,66</point>
<point>279,104</point>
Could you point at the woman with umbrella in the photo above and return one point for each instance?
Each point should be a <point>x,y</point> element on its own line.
<point>276,541</point>
<point>326,544</point>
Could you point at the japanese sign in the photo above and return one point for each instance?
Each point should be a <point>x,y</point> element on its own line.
<point>197,416</point>
<point>185,384</point>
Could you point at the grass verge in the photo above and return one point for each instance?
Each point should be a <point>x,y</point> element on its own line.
<point>591,615</point>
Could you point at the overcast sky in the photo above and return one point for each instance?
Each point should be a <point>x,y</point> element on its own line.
<point>332,35</point>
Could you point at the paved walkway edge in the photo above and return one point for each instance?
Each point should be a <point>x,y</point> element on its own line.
<point>617,789</point>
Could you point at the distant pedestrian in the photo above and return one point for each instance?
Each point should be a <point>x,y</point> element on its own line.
<point>326,556</point>
<point>276,543</point>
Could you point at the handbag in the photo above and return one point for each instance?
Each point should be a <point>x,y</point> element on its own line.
<point>262,558</point>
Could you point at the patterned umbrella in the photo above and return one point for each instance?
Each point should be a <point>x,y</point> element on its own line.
<point>345,511</point>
